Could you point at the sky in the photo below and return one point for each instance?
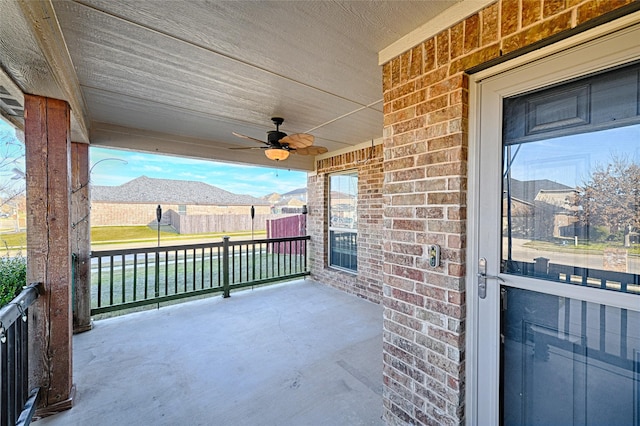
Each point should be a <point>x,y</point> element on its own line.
<point>570,160</point>
<point>114,167</point>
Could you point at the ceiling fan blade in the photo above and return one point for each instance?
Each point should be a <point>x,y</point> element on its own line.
<point>311,150</point>
<point>249,137</point>
<point>298,140</point>
<point>251,147</point>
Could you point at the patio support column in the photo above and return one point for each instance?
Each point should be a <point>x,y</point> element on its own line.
<point>47,143</point>
<point>81,237</point>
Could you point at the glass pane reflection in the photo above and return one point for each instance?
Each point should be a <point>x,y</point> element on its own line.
<point>571,209</point>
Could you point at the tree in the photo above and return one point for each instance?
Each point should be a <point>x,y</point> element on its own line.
<point>611,196</point>
<point>12,184</point>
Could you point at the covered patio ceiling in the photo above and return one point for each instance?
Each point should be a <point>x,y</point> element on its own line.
<point>179,77</point>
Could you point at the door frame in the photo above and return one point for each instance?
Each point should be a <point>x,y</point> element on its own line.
<point>612,44</point>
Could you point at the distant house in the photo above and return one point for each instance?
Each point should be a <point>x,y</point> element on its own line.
<point>135,202</point>
<point>541,209</point>
<point>289,202</point>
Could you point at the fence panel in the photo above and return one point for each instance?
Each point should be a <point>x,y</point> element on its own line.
<point>291,226</point>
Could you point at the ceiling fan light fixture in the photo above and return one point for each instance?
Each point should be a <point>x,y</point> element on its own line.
<point>276,154</point>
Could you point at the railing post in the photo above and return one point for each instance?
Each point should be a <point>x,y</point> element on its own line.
<point>157,280</point>
<point>225,267</point>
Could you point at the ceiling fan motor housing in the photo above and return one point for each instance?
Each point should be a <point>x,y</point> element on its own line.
<point>274,136</point>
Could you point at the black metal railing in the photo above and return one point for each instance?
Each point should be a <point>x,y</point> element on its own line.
<point>17,401</point>
<point>122,279</point>
<point>608,280</point>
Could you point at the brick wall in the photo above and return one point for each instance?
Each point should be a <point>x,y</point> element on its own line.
<point>367,283</point>
<point>425,185</point>
<point>121,214</point>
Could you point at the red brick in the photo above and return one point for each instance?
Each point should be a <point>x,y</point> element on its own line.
<point>510,17</point>
<point>538,32</point>
<point>429,55</point>
<point>471,33</point>
<point>448,169</point>
<point>408,150</point>
<point>409,125</point>
<point>400,163</point>
<point>386,77</point>
<point>489,28</point>
<point>395,72</point>
<point>531,12</point>
<point>479,57</point>
<point>411,298</point>
<point>437,184</point>
<point>408,225</point>
<point>456,270</point>
<point>430,212</point>
<point>442,48</point>
<point>432,104</point>
<point>594,8</point>
<point>408,200</point>
<point>432,292</point>
<point>406,175</point>
<point>457,40</point>
<point>415,62</point>
<point>553,7</point>
<point>405,59</point>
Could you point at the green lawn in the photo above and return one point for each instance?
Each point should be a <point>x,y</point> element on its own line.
<point>582,247</point>
<point>104,235</point>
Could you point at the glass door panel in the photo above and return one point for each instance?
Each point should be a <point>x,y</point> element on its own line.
<point>571,216</point>
<point>568,362</point>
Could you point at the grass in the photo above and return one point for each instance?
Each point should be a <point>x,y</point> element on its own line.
<point>582,247</point>
<point>182,273</point>
<point>104,235</point>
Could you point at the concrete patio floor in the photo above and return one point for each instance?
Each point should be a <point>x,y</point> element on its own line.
<point>299,353</point>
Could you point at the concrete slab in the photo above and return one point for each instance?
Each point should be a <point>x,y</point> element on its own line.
<point>299,353</point>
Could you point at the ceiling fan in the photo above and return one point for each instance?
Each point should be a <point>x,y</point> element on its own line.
<point>279,145</point>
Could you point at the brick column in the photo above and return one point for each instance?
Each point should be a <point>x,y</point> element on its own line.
<point>426,112</point>
<point>47,143</point>
<point>81,237</point>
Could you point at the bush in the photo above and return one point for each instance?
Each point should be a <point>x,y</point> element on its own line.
<point>13,276</point>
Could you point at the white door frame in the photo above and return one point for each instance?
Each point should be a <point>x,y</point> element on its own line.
<point>603,47</point>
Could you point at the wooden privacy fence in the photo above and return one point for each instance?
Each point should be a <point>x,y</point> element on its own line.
<point>198,224</point>
<point>291,226</point>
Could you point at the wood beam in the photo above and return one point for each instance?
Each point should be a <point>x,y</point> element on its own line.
<point>47,149</point>
<point>81,237</point>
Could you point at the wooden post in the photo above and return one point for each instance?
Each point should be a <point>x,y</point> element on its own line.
<point>81,237</point>
<point>47,143</point>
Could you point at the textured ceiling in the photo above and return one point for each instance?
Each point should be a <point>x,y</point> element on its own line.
<point>180,76</point>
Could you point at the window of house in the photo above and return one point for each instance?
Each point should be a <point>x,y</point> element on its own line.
<point>182,209</point>
<point>343,221</point>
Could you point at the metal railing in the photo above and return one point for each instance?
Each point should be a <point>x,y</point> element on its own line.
<point>608,280</point>
<point>122,279</point>
<point>17,401</point>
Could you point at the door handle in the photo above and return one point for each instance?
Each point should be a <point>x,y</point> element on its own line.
<point>482,278</point>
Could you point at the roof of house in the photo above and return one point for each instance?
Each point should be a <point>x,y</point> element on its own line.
<point>159,191</point>
<point>296,192</point>
<point>528,190</point>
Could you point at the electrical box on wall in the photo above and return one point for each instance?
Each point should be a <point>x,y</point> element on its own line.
<point>434,255</point>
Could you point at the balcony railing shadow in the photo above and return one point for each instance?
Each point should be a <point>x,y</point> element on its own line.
<point>298,353</point>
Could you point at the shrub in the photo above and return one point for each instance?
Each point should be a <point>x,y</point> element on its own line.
<point>13,276</point>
